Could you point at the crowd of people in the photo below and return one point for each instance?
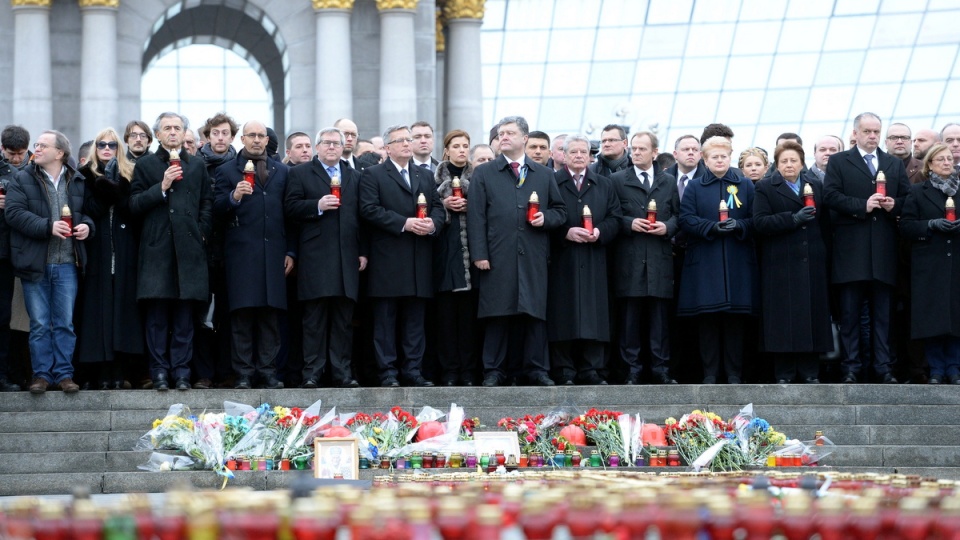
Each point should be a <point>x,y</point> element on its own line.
<point>526,260</point>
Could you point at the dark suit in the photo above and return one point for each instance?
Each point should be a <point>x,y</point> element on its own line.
<point>328,248</point>
<point>400,269</point>
<point>864,249</point>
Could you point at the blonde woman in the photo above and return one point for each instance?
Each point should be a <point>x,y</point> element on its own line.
<point>754,163</point>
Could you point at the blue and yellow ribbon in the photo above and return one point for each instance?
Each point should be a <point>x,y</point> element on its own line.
<point>732,190</point>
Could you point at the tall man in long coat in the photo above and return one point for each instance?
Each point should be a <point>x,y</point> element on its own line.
<point>401,255</point>
<point>329,258</point>
<point>256,255</point>
<point>577,295</point>
<point>175,202</point>
<point>644,271</point>
<point>511,252</point>
<point>865,241</point>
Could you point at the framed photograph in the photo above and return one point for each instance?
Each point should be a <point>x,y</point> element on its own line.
<point>336,457</point>
<point>491,442</point>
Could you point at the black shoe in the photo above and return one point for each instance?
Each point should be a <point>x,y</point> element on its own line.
<point>350,383</point>
<point>955,379</point>
<point>161,385</point>
<point>849,378</point>
<point>467,382</point>
<point>183,384</point>
<point>593,380</point>
<point>933,380</point>
<point>243,383</point>
<point>663,378</point>
<point>390,383</point>
<point>7,386</point>
<point>104,385</point>
<point>543,380</point>
<point>421,382</point>
<point>309,383</point>
<point>733,380</point>
<point>888,378</point>
<point>449,382</point>
<point>783,381</point>
<point>491,380</point>
<point>811,380</point>
<point>631,380</point>
<point>273,384</point>
<point>203,384</point>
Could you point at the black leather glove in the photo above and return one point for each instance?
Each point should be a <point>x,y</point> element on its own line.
<point>805,215</point>
<point>719,230</point>
<point>942,225</point>
<point>730,225</point>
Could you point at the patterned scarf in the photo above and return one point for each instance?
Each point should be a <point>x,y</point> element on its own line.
<point>947,185</point>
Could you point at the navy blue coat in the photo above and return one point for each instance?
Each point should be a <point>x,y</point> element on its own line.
<point>255,241</point>
<point>719,272</point>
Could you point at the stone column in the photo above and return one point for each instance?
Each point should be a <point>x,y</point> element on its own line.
<point>334,78</point>
<point>32,81</point>
<point>464,93</point>
<point>98,67</point>
<point>440,126</point>
<point>398,83</point>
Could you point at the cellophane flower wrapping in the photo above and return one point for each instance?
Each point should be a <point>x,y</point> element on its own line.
<point>447,443</point>
<point>172,432</point>
<point>299,442</point>
<point>238,418</point>
<point>208,443</point>
<point>603,428</point>
<point>160,462</point>
<point>258,439</point>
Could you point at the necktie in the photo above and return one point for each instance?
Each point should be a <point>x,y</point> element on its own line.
<point>646,179</point>
<point>869,158</point>
<point>403,173</point>
<point>683,184</point>
<point>516,169</point>
<point>332,171</point>
<point>425,165</point>
<point>579,181</point>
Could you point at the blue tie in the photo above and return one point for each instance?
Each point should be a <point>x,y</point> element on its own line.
<point>403,173</point>
<point>332,171</point>
<point>869,158</point>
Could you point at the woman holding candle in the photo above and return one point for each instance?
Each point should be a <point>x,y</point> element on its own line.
<point>754,163</point>
<point>454,276</point>
<point>110,334</point>
<point>719,279</point>
<point>934,279</point>
<point>793,237</point>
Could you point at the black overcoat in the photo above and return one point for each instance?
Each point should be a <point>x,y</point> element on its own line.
<point>328,246</point>
<point>644,262</point>
<point>401,263</point>
<point>255,240</point>
<point>173,263</point>
<point>577,293</point>
<point>864,245</point>
<point>109,318</point>
<point>498,231</point>
<point>934,268</point>
<point>794,296</point>
<point>452,269</point>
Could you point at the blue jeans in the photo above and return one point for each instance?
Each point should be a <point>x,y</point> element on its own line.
<point>943,356</point>
<point>49,304</point>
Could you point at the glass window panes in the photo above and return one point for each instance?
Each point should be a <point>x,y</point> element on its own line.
<point>491,43</point>
<point>896,30</point>
<point>529,14</point>
<point>793,70</point>
<point>710,39</point>
<point>703,73</point>
<point>568,79</point>
<point>915,98</point>
<point>839,68</point>
<point>558,114</point>
<point>898,6</point>
<point>745,72</point>
<point>521,80</point>
<point>829,103</point>
<point>716,11</point>
<point>952,105</point>
<point>763,10</point>
<point>739,107</point>
<point>784,106</point>
<point>885,65</point>
<point>939,27</point>
<point>608,78</point>
<point>525,107</point>
<point>494,13</point>
<point>521,46</point>
<point>575,13</point>
<point>855,7</point>
<point>802,35</point>
<point>931,62</point>
<point>756,37</point>
<point>622,13</point>
<point>809,9</point>
<point>656,75</point>
<point>617,43</point>
<point>876,98</point>
<point>572,45</point>
<point>848,33</point>
<point>695,108</point>
<point>669,11</point>
<point>663,41</point>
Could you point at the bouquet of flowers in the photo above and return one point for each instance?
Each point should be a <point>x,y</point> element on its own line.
<point>536,433</point>
<point>238,418</point>
<point>369,430</point>
<point>703,436</point>
<point>172,432</point>
<point>207,446</point>
<point>384,435</point>
<point>299,442</point>
<point>257,440</point>
<point>468,426</point>
<point>603,428</point>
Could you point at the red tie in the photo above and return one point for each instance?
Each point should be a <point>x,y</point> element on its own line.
<point>516,169</point>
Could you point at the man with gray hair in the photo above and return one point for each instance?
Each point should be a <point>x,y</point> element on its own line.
<point>174,200</point>
<point>44,208</point>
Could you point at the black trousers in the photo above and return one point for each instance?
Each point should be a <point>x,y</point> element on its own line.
<point>6,299</point>
<point>168,328</point>
<point>211,351</point>
<point>328,338</point>
<point>852,295</point>
<point>787,366</point>
<point>581,358</point>
<point>645,317</point>
<point>722,332</point>
<point>457,331</point>
<point>533,333</point>
<point>408,313</point>
<point>263,325</point>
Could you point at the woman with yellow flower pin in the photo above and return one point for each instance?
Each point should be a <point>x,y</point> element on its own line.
<point>718,284</point>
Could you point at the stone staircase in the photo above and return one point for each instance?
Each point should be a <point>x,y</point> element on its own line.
<point>56,443</point>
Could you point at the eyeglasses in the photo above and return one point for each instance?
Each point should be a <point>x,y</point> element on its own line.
<point>42,146</point>
<point>101,145</point>
<point>331,144</point>
<point>135,135</point>
<point>255,135</point>
<point>943,159</point>
<point>407,140</point>
<point>903,138</point>
<point>353,134</point>
<point>423,136</point>
<point>610,141</point>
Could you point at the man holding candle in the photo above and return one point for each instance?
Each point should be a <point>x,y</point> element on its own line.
<point>511,252</point>
<point>48,254</point>
<point>401,255</point>
<point>172,274</point>
<point>577,296</point>
<point>330,255</point>
<point>865,241</point>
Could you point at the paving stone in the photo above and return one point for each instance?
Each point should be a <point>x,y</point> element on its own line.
<point>771,394</point>
<point>50,483</point>
<point>921,456</point>
<point>914,435</point>
<point>54,462</point>
<point>43,442</point>
<point>126,461</point>
<point>907,415</point>
<point>121,441</point>
<point>33,422</point>
<point>902,394</point>
<point>158,482</point>
<point>53,400</point>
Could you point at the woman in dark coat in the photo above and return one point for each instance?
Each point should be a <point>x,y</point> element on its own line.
<point>718,283</point>
<point>934,271</point>
<point>455,276</point>
<point>110,331</point>
<point>795,314</point>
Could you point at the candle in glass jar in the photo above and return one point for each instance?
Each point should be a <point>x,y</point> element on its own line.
<point>950,210</point>
<point>808,196</point>
<point>724,211</point>
<point>652,211</point>
<point>335,186</point>
<point>421,207</point>
<point>455,184</point>
<point>533,206</point>
<point>587,219</point>
<point>882,183</point>
<point>175,162</point>
<point>67,218</point>
<point>248,173</point>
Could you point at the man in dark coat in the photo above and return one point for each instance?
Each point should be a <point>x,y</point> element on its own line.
<point>175,203</point>
<point>255,248</point>
<point>577,295</point>
<point>865,241</point>
<point>401,255</point>
<point>14,141</point>
<point>47,254</point>
<point>512,252</point>
<point>329,258</point>
<point>643,273</point>
<point>613,155</point>
<point>138,139</point>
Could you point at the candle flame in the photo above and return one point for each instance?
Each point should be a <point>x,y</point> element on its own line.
<point>586,210</point>
<point>65,211</point>
<point>534,198</point>
<point>652,206</point>
<point>248,167</point>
